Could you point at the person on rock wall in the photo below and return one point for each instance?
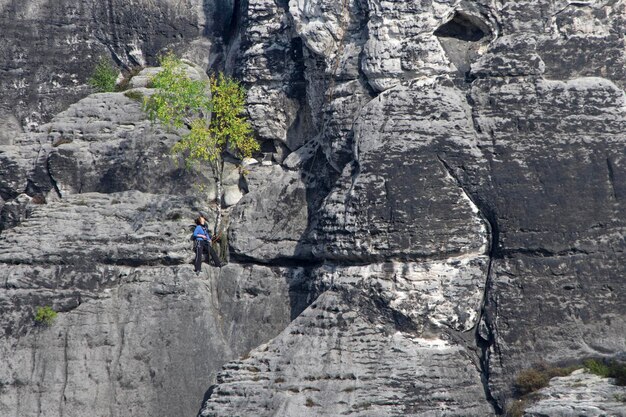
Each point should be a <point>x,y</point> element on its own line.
<point>203,244</point>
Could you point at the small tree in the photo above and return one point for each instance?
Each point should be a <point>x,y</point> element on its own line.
<point>104,77</point>
<point>213,113</point>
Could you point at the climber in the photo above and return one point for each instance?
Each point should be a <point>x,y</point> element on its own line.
<point>203,244</point>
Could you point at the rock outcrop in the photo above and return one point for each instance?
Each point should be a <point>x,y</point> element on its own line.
<point>103,240</point>
<point>578,394</point>
<point>50,48</point>
<point>444,207</point>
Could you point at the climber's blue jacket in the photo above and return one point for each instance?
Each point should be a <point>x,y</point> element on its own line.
<point>200,233</point>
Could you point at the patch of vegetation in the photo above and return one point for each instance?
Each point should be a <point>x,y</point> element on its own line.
<point>104,77</point>
<point>612,369</point>
<point>531,380</point>
<point>134,95</point>
<point>597,367</point>
<point>45,315</point>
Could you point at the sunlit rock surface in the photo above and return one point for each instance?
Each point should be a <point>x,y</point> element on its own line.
<point>440,206</point>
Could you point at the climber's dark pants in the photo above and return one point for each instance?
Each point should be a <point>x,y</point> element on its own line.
<point>203,247</point>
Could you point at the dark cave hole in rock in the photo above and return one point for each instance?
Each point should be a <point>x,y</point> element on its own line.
<point>461,38</point>
<point>464,28</point>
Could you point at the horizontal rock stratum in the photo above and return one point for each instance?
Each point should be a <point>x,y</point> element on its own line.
<point>441,205</point>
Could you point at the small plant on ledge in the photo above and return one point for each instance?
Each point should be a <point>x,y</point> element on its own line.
<point>104,77</point>
<point>45,316</point>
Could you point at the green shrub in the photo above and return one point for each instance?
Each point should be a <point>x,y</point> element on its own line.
<point>45,315</point>
<point>530,380</point>
<point>597,367</point>
<point>613,369</point>
<point>134,95</point>
<point>554,371</point>
<point>104,77</point>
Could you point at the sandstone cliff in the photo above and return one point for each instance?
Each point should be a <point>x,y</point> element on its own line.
<point>445,208</point>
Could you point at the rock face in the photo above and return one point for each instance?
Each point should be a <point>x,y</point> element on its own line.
<point>50,48</point>
<point>335,359</point>
<point>579,394</point>
<point>104,241</point>
<point>443,208</point>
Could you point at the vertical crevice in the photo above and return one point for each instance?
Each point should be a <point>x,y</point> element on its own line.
<point>485,344</point>
<point>483,341</point>
<point>232,27</point>
<point>55,186</point>
<point>63,399</point>
<point>609,166</point>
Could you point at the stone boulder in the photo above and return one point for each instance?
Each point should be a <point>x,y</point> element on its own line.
<point>270,221</point>
<point>346,354</point>
<point>578,394</point>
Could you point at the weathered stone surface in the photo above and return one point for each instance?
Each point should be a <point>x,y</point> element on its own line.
<point>9,128</point>
<point>445,294</point>
<point>51,47</point>
<point>269,63</point>
<point>136,329</point>
<point>578,394</point>
<point>144,341</point>
<point>557,207</point>
<point>444,148</point>
<point>398,200</point>
<point>344,356</point>
<point>103,143</point>
<point>271,220</point>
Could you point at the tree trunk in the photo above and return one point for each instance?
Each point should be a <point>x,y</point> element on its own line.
<point>218,170</point>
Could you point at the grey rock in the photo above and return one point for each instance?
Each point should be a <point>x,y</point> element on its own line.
<point>578,394</point>
<point>51,48</point>
<point>559,219</point>
<point>457,188</point>
<point>343,356</point>
<point>144,332</point>
<point>15,211</point>
<point>143,78</point>
<point>9,128</point>
<point>436,294</point>
<point>270,221</point>
<point>103,143</point>
<point>134,321</point>
<point>266,63</point>
<point>232,195</point>
<point>383,208</point>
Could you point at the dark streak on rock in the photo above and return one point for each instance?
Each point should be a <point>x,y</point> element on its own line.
<point>483,345</point>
